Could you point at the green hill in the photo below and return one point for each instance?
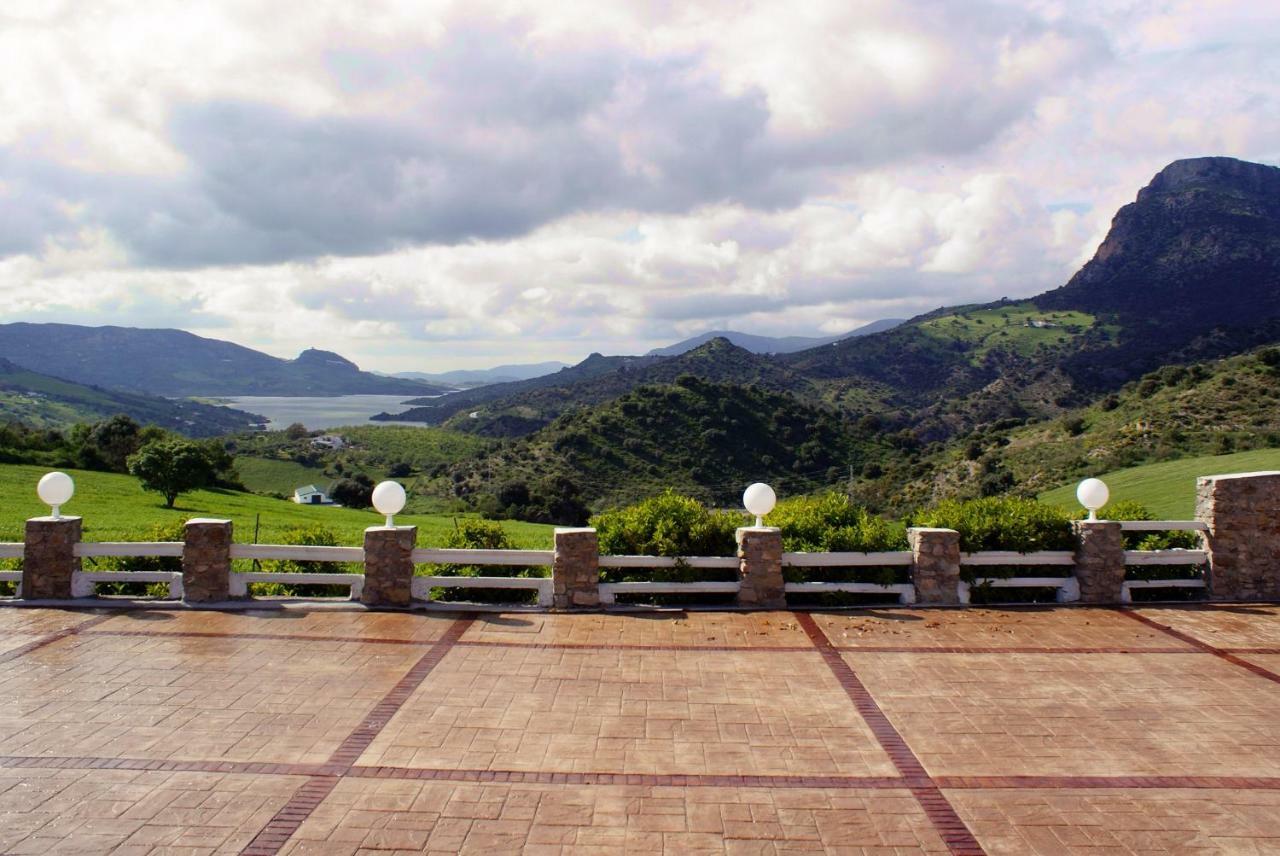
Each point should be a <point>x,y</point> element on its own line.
<point>1169,489</point>
<point>42,401</point>
<point>114,508</point>
<point>707,439</point>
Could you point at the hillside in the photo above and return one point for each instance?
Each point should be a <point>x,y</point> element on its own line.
<point>114,508</point>
<point>42,401</point>
<point>175,363</point>
<point>708,439</point>
<point>1174,413</point>
<point>482,377</point>
<point>511,410</point>
<point>1168,489</point>
<point>772,344</point>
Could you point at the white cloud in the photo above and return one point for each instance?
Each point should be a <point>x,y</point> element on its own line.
<point>430,186</point>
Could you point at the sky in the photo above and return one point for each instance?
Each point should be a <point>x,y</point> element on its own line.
<point>423,186</point>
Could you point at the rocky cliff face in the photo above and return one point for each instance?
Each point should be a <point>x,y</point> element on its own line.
<point>1200,247</point>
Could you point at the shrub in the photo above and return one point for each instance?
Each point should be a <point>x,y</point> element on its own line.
<point>667,525</point>
<point>476,534</point>
<point>832,522</point>
<point>306,536</point>
<point>1001,523</point>
<point>173,530</point>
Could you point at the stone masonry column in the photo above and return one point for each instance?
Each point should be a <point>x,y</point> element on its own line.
<point>206,560</point>
<point>48,557</point>
<point>1099,560</point>
<point>575,571</point>
<point>388,565</point>
<point>760,568</point>
<point>1243,515</point>
<point>935,564</point>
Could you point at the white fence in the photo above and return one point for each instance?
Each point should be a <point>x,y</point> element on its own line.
<point>84,582</point>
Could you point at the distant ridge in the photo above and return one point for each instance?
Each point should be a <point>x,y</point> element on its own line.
<point>481,377</point>
<point>176,363</point>
<point>770,344</point>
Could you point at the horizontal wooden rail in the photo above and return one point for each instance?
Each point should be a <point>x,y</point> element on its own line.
<point>1068,587</point>
<point>1003,557</point>
<point>1128,586</point>
<point>94,549</point>
<point>239,582</point>
<point>421,586</point>
<point>610,591</point>
<point>297,553</point>
<point>435,556</point>
<point>1163,526</point>
<point>83,583</point>
<point>847,560</point>
<point>905,591</point>
<point>1165,557</point>
<point>12,550</point>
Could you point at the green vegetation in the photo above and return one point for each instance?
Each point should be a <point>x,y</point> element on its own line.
<point>277,477</point>
<point>1001,523</point>
<point>171,468</point>
<point>115,508</point>
<point>1020,328</point>
<point>667,525</point>
<point>832,522</point>
<point>1168,489</point>
<point>705,439</point>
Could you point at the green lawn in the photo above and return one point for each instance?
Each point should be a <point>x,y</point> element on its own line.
<point>1168,489</point>
<point>114,508</point>
<point>1008,327</point>
<point>266,475</point>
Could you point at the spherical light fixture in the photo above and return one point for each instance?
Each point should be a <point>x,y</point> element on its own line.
<point>759,500</point>
<point>1093,494</point>
<point>388,498</point>
<point>55,490</point>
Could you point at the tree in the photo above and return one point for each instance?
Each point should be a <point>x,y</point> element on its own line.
<point>354,492</point>
<point>171,467</point>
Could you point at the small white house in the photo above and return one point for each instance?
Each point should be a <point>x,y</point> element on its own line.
<point>311,495</point>
<point>329,441</point>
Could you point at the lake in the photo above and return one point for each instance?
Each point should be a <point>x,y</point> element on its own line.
<point>321,412</point>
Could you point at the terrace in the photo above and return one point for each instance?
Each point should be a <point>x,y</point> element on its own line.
<point>319,730</point>
<point>208,721</point>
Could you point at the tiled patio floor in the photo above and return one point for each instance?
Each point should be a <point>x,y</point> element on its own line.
<point>1052,730</point>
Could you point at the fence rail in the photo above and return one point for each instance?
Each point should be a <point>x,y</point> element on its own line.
<point>1008,557</point>
<point>12,550</point>
<point>1163,526</point>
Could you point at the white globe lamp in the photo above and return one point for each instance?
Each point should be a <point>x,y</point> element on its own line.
<point>759,500</point>
<point>1093,494</point>
<point>55,490</point>
<point>388,498</point>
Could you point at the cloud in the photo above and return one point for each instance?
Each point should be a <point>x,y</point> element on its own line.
<point>441,184</point>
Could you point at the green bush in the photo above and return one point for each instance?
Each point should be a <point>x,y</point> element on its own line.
<point>1128,509</point>
<point>1001,523</point>
<point>309,535</point>
<point>667,525</point>
<point>476,534</point>
<point>832,522</point>
<point>173,530</point>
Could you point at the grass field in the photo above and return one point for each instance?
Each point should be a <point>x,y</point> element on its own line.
<point>1168,489</point>
<point>1009,327</point>
<point>114,508</point>
<point>265,475</point>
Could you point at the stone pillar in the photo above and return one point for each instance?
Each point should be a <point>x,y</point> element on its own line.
<point>388,565</point>
<point>760,568</point>
<point>206,560</point>
<point>575,571</point>
<point>1099,560</point>
<point>1243,514</point>
<point>935,564</point>
<point>48,557</point>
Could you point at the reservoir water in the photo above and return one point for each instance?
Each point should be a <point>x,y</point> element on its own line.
<point>321,412</point>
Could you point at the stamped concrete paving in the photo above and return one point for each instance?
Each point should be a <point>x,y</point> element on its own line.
<point>317,730</point>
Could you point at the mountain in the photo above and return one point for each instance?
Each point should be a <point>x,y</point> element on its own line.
<point>772,345</point>
<point>513,410</point>
<point>177,363</point>
<point>483,377</point>
<point>41,401</point>
<point>704,438</point>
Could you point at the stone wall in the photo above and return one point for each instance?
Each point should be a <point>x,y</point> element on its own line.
<point>1243,515</point>
<point>935,555</point>
<point>48,559</point>
<point>388,565</point>
<point>760,581</point>
<point>575,571</point>
<point>206,560</point>
<point>1099,560</point>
